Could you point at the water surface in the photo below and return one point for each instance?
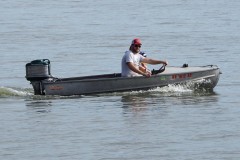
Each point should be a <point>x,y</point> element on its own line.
<point>90,37</point>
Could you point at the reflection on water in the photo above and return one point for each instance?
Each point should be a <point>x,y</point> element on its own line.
<point>140,101</point>
<point>134,103</point>
<point>39,106</point>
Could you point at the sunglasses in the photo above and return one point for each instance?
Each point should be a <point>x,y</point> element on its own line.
<point>137,46</point>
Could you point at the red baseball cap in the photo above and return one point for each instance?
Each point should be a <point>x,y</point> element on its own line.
<point>137,41</point>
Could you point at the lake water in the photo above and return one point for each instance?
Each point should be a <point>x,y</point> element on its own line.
<point>89,37</point>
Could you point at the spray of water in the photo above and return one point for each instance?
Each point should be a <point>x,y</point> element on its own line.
<point>8,91</point>
<point>191,87</point>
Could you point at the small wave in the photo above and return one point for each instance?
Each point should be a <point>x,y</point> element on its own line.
<point>166,90</point>
<point>191,87</point>
<point>173,88</point>
<point>8,91</point>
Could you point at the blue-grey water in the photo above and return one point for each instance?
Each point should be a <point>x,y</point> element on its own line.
<point>86,37</point>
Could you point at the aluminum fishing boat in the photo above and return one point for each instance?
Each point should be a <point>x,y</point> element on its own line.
<point>38,73</point>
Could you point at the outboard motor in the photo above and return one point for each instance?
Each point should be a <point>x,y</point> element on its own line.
<point>36,71</point>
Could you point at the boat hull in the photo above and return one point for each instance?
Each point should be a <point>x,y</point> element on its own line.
<point>206,77</point>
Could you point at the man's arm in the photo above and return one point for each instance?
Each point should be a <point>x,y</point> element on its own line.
<point>134,69</point>
<point>153,61</point>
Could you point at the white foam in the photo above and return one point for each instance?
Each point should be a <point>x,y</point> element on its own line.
<point>7,91</point>
<point>173,88</point>
<point>167,89</point>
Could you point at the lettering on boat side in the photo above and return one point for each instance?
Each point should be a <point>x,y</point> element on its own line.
<point>55,87</point>
<point>181,76</point>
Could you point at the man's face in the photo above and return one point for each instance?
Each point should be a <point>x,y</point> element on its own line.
<point>136,48</point>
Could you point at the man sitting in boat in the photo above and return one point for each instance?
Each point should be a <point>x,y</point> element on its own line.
<point>131,61</point>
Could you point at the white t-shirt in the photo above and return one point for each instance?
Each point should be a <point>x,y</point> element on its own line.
<point>135,59</point>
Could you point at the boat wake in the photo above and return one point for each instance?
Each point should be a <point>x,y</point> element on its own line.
<point>173,89</point>
<point>191,87</point>
<point>167,90</point>
<point>14,92</point>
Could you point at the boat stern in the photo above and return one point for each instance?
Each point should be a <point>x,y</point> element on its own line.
<point>36,72</point>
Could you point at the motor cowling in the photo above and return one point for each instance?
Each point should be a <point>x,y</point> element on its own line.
<point>38,70</point>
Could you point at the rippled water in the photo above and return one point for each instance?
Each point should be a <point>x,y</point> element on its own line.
<point>90,37</point>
